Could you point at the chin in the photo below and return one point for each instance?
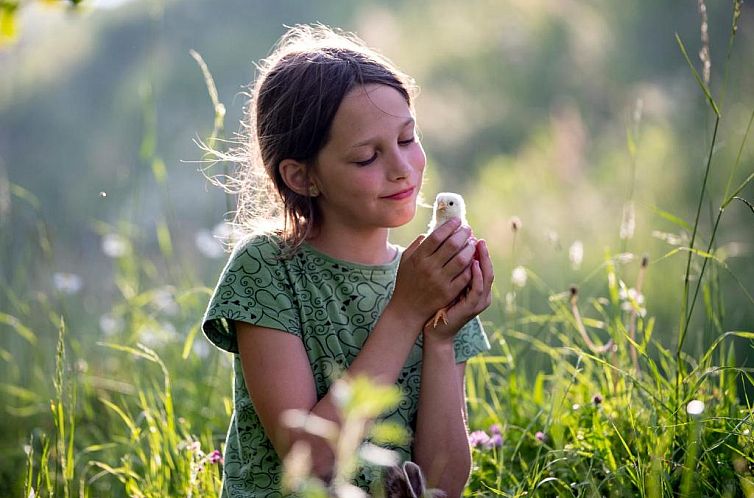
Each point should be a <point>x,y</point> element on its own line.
<point>402,218</point>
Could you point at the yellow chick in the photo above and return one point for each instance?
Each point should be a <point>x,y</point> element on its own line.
<point>447,205</point>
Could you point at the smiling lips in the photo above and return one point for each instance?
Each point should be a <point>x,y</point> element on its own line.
<point>400,195</point>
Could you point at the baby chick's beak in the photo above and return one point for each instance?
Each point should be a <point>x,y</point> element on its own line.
<point>442,206</point>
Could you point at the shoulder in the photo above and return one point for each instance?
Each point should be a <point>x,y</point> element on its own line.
<point>255,250</point>
<point>267,244</point>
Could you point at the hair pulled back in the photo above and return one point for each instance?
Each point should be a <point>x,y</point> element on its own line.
<point>297,92</point>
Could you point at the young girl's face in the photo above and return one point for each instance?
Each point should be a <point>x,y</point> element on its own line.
<point>370,171</point>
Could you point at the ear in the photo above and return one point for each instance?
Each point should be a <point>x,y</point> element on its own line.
<point>295,174</point>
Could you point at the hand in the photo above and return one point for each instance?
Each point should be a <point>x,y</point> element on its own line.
<point>471,301</point>
<point>433,270</point>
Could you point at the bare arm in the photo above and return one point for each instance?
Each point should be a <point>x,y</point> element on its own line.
<point>280,382</point>
<point>441,445</point>
<point>276,368</point>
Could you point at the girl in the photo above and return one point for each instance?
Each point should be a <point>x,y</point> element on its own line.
<point>332,125</point>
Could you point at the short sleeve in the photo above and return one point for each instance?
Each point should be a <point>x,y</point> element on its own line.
<point>470,340</point>
<point>253,288</point>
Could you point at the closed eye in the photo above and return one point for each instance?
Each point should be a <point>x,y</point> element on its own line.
<point>402,143</point>
<point>368,161</point>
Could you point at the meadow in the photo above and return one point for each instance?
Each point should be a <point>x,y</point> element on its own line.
<point>619,360</point>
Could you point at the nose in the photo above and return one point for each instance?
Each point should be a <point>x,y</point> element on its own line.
<point>400,165</point>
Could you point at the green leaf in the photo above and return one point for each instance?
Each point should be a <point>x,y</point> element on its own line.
<point>389,433</point>
<point>672,218</point>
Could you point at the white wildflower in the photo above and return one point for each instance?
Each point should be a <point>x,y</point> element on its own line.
<point>163,301</point>
<point>201,349</point>
<point>552,237</point>
<point>518,276</point>
<point>576,406</point>
<point>115,246</point>
<point>67,283</point>
<point>628,225</point>
<point>510,302</point>
<point>576,254</point>
<point>155,336</point>
<point>82,366</point>
<point>695,407</point>
<point>207,244</point>
<point>110,324</point>
<point>227,233</point>
<point>632,300</point>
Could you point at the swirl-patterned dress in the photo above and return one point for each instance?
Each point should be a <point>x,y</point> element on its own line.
<point>332,306</point>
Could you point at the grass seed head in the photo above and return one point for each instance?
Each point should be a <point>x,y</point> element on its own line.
<point>515,224</point>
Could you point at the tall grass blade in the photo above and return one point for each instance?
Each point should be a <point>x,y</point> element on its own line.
<point>698,78</point>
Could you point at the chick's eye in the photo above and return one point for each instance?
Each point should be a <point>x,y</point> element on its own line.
<point>450,203</point>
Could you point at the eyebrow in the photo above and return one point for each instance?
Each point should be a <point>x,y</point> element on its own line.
<point>370,140</point>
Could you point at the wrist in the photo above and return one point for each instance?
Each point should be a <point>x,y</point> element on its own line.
<point>408,317</point>
<point>439,344</point>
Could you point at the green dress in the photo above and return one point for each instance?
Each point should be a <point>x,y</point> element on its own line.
<point>332,306</point>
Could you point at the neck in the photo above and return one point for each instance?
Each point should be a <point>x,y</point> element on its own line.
<point>364,247</point>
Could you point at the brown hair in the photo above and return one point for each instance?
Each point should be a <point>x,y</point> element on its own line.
<point>297,92</point>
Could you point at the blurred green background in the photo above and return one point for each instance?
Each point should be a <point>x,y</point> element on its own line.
<point>560,113</point>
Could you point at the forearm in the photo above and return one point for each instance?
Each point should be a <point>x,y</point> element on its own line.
<point>383,355</point>
<point>381,359</point>
<point>441,445</point>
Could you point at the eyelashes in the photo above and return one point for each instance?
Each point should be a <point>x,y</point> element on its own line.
<point>368,161</point>
<point>402,143</point>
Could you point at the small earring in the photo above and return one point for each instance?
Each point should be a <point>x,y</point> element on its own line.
<point>313,191</point>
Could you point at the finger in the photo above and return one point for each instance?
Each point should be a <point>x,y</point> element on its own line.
<point>485,264</point>
<point>413,246</point>
<point>461,281</point>
<point>461,260</point>
<point>477,280</point>
<point>451,246</point>
<point>438,236</point>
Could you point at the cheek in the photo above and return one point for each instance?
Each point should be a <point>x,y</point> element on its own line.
<point>418,158</point>
<point>366,183</point>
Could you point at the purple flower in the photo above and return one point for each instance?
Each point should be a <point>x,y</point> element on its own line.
<point>540,436</point>
<point>597,399</point>
<point>215,457</point>
<point>477,438</point>
<point>494,442</point>
<point>495,429</point>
